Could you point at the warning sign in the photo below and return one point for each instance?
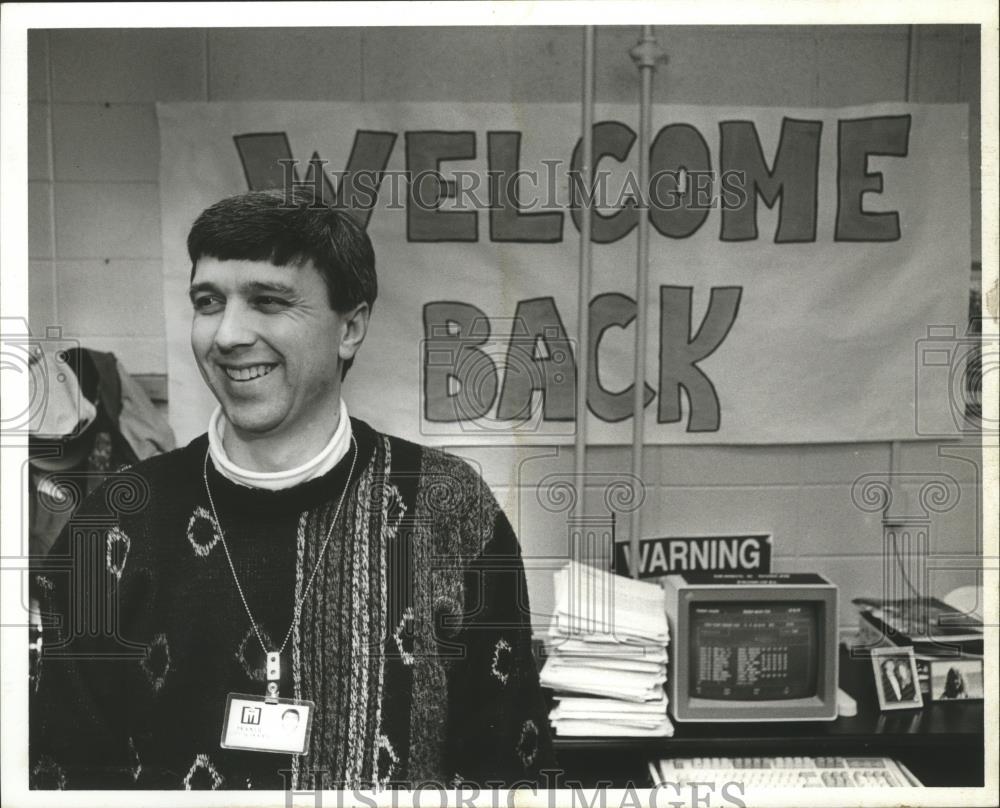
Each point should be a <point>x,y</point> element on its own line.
<point>743,553</point>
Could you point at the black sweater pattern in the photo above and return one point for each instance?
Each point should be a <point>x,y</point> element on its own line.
<point>414,640</point>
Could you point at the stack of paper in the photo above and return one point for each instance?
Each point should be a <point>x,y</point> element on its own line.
<point>608,660</point>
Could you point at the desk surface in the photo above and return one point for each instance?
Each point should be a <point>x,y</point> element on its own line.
<point>922,737</point>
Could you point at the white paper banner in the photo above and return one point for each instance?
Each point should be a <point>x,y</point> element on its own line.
<point>799,273</point>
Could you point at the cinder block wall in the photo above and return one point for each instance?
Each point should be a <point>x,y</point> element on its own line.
<point>95,229</point>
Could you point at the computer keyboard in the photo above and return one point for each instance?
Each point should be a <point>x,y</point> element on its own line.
<point>785,772</point>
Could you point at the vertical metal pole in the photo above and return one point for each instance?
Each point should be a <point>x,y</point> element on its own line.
<point>912,60</point>
<point>586,268</point>
<point>646,54</point>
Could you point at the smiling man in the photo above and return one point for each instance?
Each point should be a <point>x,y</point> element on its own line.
<point>291,558</point>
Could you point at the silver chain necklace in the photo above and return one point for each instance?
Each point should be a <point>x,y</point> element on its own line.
<point>274,657</point>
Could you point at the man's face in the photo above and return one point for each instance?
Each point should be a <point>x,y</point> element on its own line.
<point>289,720</point>
<point>267,344</point>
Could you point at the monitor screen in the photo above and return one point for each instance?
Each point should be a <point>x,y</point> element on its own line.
<point>754,650</point>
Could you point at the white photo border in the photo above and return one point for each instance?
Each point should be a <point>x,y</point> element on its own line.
<point>879,656</point>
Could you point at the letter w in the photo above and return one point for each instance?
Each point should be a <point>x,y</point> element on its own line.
<point>267,157</point>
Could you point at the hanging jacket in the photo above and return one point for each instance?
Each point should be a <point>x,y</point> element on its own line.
<point>126,428</point>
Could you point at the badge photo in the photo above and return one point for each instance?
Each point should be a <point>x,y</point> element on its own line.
<point>261,724</point>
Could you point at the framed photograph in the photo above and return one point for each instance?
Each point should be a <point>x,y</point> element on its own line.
<point>956,679</point>
<point>896,681</point>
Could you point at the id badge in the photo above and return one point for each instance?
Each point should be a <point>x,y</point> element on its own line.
<point>260,724</point>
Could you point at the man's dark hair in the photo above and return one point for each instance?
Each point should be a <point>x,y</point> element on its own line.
<point>289,230</point>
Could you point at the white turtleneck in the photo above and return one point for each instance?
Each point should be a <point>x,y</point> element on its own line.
<point>328,457</point>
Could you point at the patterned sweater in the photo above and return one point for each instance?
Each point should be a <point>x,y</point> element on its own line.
<point>414,640</point>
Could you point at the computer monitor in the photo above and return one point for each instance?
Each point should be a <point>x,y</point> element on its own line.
<point>752,648</point>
